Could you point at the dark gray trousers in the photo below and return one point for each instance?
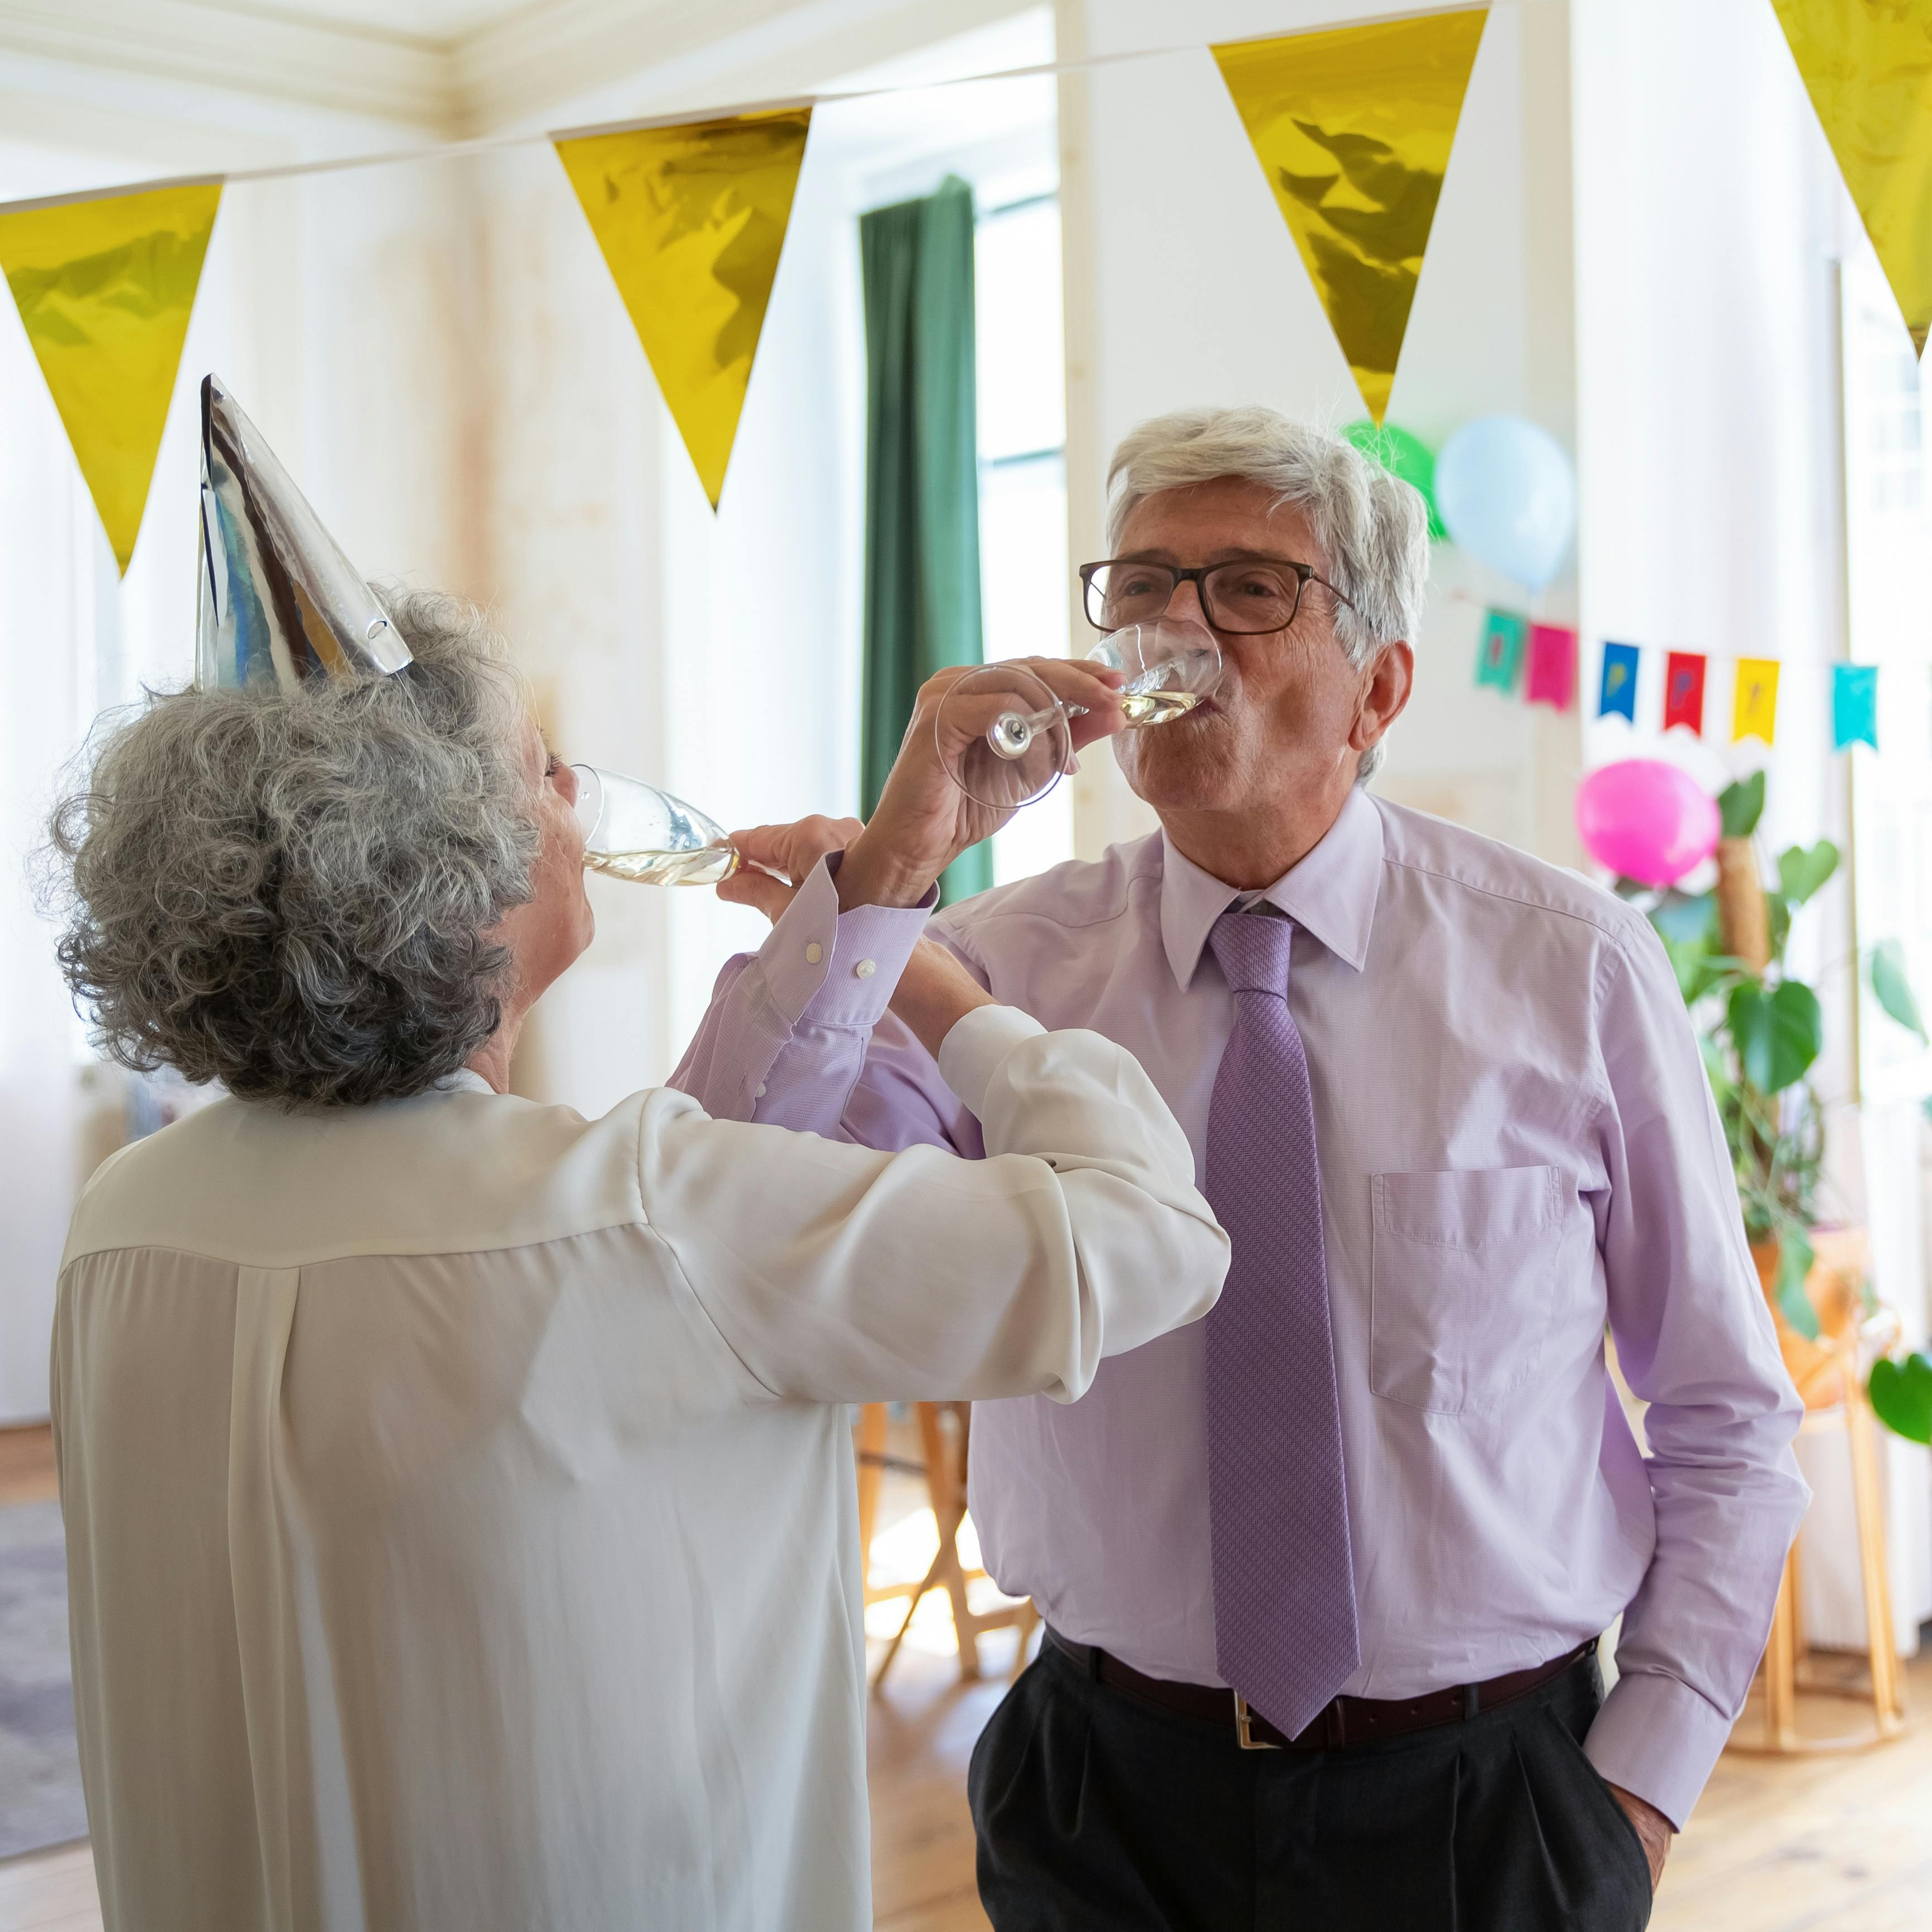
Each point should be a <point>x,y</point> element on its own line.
<point>1095,1810</point>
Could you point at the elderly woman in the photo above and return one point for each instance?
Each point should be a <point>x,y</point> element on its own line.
<point>459,1492</point>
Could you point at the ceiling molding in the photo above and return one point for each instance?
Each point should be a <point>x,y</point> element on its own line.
<point>698,53</point>
<point>631,55</point>
<point>344,68</point>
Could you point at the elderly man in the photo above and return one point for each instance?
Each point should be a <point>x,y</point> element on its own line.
<point>1324,1574</point>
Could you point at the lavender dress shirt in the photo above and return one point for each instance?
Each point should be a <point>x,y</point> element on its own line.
<point>1518,1148</point>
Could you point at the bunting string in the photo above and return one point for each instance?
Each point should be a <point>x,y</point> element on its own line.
<point>1541,660</point>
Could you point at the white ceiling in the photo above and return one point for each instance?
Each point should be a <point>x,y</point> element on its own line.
<point>456,67</point>
<point>439,21</point>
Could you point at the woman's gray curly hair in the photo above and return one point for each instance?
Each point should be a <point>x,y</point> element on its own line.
<point>292,894</point>
<point>1371,528</point>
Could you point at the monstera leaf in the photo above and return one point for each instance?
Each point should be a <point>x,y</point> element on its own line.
<point>1901,1396</point>
<point>1778,1033</point>
<point>1894,988</point>
<point>1801,873</point>
<point>1740,806</point>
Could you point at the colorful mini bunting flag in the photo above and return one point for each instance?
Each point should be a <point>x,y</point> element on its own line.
<point>1683,691</point>
<point>105,289</point>
<point>1616,695</point>
<point>1500,656</point>
<point>1353,128</point>
<point>1854,706</point>
<point>1754,705</point>
<point>1867,67</point>
<point>1552,665</point>
<point>691,220</point>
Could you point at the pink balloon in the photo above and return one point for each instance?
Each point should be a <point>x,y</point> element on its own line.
<point>1647,820</point>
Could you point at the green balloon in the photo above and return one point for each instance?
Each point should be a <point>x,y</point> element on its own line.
<point>1403,455</point>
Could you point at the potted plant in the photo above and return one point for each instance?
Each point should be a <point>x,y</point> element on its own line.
<point>1761,1029</point>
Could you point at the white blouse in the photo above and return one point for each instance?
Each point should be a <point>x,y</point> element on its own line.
<point>459,1496</point>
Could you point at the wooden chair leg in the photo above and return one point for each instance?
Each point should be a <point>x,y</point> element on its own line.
<point>1780,1667</point>
<point>1868,1507</point>
<point>871,1446</point>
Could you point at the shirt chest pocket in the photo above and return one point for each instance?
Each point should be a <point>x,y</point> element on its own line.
<point>1465,1283</point>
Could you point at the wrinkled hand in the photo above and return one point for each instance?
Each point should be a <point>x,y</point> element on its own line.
<point>1653,1830</point>
<point>774,860</point>
<point>924,821</point>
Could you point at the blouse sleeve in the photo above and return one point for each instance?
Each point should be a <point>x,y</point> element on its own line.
<point>838,1273</point>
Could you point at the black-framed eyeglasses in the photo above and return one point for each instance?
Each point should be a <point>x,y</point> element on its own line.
<point>1244,598</point>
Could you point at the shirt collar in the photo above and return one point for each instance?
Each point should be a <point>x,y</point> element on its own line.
<point>464,1080</point>
<point>1331,892</point>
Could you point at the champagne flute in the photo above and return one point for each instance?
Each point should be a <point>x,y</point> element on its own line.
<point>1018,738</point>
<point>633,831</point>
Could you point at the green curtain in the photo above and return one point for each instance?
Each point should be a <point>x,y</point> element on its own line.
<point>921,477</point>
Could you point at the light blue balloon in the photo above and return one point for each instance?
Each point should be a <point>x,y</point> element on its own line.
<point>1508,496</point>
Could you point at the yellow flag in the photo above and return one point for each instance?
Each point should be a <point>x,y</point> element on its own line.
<point>1754,705</point>
<point>1867,66</point>
<point>105,289</point>
<point>1353,129</point>
<point>691,220</point>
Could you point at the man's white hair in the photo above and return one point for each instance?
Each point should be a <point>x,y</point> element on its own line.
<point>1370,529</point>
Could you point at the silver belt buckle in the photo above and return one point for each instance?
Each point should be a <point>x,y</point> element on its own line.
<point>1244,1728</point>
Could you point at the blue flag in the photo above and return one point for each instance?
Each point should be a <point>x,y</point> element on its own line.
<point>1854,706</point>
<point>1617,692</point>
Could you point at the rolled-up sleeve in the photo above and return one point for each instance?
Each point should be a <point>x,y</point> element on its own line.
<point>838,1273</point>
<point>1695,1341</point>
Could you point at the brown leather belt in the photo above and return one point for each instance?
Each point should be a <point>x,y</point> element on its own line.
<point>1344,1721</point>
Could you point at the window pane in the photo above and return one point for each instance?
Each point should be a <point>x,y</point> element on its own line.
<point>1016,261</point>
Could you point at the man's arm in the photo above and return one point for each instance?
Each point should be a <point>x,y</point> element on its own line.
<point>789,1039</point>
<point>1695,1341</point>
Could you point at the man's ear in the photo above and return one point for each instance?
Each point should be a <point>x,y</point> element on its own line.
<point>1385,689</point>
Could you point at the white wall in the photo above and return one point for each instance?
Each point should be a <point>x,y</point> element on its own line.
<point>334,307</point>
<point>1188,289</point>
<point>1711,223</point>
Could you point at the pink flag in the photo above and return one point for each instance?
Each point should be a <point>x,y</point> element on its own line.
<point>1553,666</point>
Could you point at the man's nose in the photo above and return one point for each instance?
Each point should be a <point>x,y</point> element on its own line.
<point>1185,601</point>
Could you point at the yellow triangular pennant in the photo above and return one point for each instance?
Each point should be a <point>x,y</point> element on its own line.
<point>1353,129</point>
<point>105,289</point>
<point>691,220</point>
<point>1867,67</point>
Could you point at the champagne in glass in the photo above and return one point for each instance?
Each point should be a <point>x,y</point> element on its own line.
<point>633,831</point>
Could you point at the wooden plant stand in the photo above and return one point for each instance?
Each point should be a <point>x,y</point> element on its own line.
<point>944,1467</point>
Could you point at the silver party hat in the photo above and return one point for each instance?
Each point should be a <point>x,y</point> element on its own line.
<point>278,599</point>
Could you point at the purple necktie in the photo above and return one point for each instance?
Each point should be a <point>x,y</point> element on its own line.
<point>1284,1633</point>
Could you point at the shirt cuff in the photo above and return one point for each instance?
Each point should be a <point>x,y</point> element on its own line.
<point>1659,1739</point>
<point>839,968</point>
<point>972,1051</point>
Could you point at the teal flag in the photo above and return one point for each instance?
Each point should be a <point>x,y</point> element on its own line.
<point>1499,659</point>
<point>1854,706</point>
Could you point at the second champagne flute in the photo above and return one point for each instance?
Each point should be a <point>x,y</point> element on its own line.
<point>633,831</point>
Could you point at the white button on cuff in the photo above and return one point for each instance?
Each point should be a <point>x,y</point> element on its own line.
<point>760,1094</point>
<point>865,969</point>
<point>814,953</point>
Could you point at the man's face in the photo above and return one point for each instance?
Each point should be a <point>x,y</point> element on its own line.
<point>1292,716</point>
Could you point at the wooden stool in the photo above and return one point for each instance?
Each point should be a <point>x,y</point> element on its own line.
<point>1829,1373</point>
<point>945,1474</point>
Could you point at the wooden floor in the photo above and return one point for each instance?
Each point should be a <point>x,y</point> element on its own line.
<point>1820,1844</point>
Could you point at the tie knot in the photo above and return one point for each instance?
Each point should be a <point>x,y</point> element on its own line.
<point>1252,949</point>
